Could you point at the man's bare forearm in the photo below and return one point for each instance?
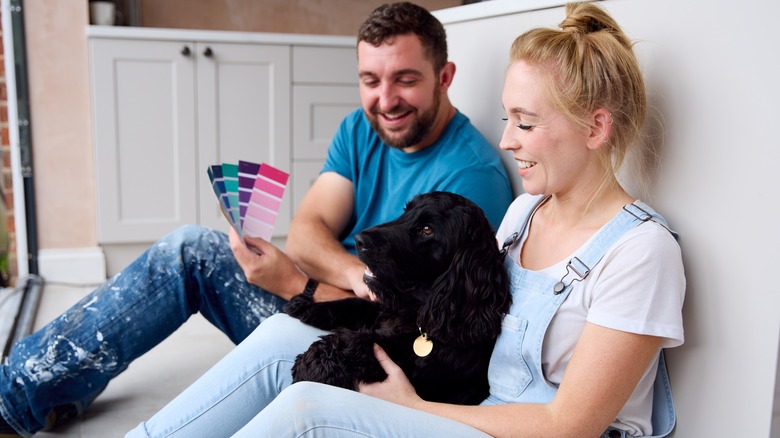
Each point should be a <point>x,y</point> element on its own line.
<point>321,256</point>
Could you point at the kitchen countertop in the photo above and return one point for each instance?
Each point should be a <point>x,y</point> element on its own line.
<point>492,8</point>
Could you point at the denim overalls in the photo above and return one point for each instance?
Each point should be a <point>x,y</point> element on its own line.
<point>515,372</point>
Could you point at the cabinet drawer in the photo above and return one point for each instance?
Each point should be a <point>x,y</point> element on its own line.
<point>324,65</point>
<point>318,112</point>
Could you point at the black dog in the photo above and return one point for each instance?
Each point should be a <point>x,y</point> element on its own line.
<point>442,292</point>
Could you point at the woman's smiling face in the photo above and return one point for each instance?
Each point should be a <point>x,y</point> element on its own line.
<point>550,150</point>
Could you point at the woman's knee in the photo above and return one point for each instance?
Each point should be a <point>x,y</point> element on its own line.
<point>309,402</point>
<point>282,333</point>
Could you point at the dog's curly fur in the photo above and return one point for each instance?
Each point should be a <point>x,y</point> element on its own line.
<point>435,269</point>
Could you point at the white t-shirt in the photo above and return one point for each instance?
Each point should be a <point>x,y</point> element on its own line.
<point>637,287</point>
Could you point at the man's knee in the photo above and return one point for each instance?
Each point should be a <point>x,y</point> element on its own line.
<point>192,240</point>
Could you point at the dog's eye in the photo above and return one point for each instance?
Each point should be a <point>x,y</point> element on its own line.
<point>426,231</point>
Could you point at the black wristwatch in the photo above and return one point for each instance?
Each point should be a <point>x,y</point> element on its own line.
<point>311,286</point>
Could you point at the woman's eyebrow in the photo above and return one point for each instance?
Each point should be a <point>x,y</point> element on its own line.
<point>523,111</point>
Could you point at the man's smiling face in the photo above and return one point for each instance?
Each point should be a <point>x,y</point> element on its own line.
<point>399,90</point>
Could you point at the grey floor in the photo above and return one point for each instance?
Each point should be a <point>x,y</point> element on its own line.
<point>149,383</point>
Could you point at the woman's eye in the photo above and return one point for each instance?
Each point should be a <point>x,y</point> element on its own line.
<point>522,126</point>
<point>426,231</point>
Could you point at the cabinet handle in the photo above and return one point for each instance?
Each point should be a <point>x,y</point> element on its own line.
<point>185,50</point>
<point>207,53</point>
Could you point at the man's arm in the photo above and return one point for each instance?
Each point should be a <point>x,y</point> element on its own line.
<point>313,241</point>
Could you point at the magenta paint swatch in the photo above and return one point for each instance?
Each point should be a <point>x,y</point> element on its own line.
<point>252,205</point>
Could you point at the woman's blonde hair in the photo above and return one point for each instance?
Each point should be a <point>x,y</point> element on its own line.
<point>587,64</point>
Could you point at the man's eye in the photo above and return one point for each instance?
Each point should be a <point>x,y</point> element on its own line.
<point>426,231</point>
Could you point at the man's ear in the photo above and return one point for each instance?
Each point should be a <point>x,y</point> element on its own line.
<point>600,128</point>
<point>445,76</point>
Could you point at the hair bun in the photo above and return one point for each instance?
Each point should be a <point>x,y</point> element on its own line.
<point>584,18</point>
<point>583,25</point>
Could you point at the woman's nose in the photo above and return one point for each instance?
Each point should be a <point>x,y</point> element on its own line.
<point>507,143</point>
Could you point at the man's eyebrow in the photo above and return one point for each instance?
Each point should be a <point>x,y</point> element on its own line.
<point>403,72</point>
<point>408,71</point>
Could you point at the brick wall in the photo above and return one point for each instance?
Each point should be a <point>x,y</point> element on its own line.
<point>8,272</point>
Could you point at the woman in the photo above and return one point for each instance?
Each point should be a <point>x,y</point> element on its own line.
<point>597,278</point>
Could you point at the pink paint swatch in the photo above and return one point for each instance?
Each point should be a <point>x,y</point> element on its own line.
<point>260,196</point>
<point>265,201</point>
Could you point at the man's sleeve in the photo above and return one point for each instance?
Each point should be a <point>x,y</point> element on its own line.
<point>489,189</point>
<point>339,158</point>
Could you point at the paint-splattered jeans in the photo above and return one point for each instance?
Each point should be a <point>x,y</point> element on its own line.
<point>67,363</point>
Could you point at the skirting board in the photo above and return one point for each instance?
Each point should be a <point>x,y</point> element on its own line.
<point>72,265</point>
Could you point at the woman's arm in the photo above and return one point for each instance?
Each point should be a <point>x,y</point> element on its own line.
<point>604,369</point>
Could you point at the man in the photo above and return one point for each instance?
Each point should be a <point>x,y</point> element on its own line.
<point>407,139</point>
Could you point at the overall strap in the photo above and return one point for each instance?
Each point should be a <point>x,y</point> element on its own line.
<point>530,208</point>
<point>629,217</point>
<point>664,416</point>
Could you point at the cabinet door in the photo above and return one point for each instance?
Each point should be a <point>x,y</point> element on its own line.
<point>318,112</point>
<point>243,114</point>
<point>144,138</point>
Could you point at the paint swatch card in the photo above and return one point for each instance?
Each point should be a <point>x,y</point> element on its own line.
<point>250,195</point>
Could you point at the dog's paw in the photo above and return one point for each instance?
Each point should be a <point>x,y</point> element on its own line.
<point>342,358</point>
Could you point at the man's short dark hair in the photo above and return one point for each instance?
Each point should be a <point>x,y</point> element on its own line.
<point>405,18</point>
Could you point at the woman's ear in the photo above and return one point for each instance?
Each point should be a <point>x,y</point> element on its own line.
<point>600,128</point>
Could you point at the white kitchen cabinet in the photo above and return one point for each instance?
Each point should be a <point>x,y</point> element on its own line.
<point>144,120</point>
<point>164,111</point>
<point>169,103</point>
<point>243,114</point>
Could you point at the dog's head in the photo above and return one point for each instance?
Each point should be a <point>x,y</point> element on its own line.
<point>440,257</point>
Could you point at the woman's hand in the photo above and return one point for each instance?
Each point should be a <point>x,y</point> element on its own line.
<point>396,388</point>
<point>266,266</point>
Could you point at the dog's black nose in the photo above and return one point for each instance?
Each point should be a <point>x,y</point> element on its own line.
<point>359,242</point>
<point>362,241</point>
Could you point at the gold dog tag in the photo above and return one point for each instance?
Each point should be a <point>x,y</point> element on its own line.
<point>422,346</point>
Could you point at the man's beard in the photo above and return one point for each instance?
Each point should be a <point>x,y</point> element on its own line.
<point>420,128</point>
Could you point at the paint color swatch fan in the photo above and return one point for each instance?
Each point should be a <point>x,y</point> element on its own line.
<point>249,195</point>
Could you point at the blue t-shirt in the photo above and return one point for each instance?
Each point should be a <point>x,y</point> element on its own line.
<point>385,178</point>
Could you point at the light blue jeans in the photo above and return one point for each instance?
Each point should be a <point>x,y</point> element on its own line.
<point>65,365</point>
<point>246,390</point>
<point>314,410</point>
<point>237,387</point>
<point>248,394</point>
<point>308,409</point>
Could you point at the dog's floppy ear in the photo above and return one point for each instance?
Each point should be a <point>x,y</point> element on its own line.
<point>469,301</point>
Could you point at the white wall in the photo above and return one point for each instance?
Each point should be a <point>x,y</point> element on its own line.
<point>713,71</point>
